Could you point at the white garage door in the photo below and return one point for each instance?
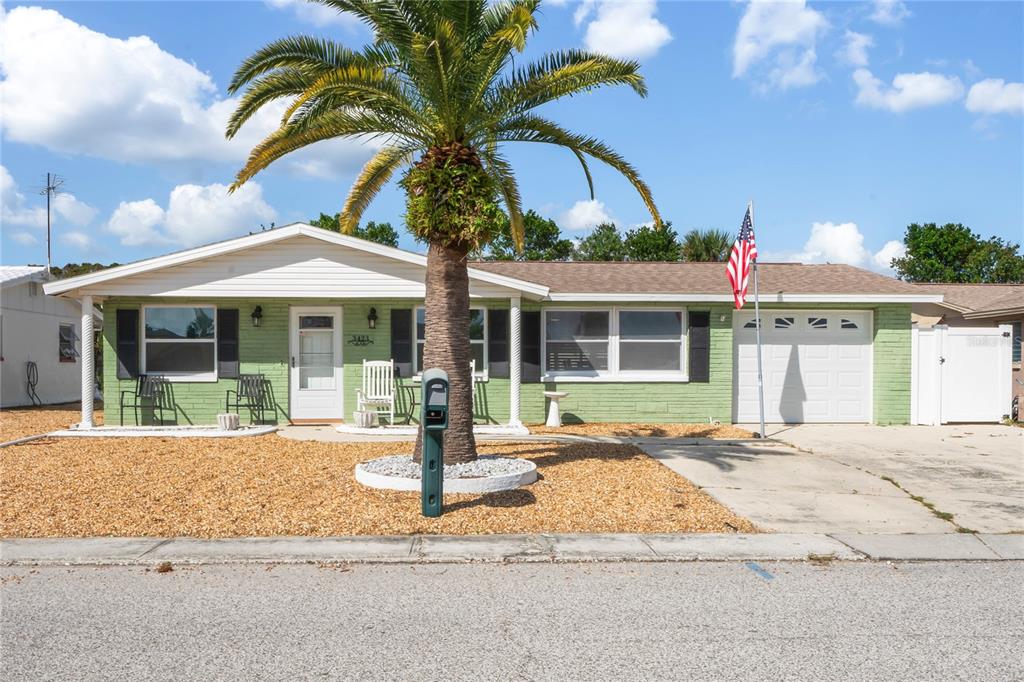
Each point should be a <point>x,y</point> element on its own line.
<point>817,366</point>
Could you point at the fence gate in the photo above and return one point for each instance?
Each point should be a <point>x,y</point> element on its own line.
<point>961,374</point>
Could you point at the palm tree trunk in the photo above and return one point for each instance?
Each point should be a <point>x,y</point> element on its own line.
<point>447,346</point>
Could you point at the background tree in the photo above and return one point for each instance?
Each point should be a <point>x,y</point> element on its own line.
<point>953,253</point>
<point>382,233</point>
<point>604,243</point>
<point>707,246</point>
<point>647,243</point>
<point>542,240</point>
<point>439,87</point>
<point>76,269</point>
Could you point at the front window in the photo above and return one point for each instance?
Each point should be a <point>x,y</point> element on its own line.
<point>477,338</point>
<point>615,343</point>
<point>577,341</point>
<point>67,343</point>
<point>650,340</point>
<point>180,341</point>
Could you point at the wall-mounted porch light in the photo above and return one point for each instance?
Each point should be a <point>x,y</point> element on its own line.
<point>257,315</point>
<point>371,319</point>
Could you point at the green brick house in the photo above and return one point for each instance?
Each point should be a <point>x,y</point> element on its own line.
<point>628,342</point>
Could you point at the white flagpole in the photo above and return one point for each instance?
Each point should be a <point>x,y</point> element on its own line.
<point>757,325</point>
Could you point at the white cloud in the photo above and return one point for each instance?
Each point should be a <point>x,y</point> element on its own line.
<point>194,215</point>
<point>137,223</point>
<point>627,30</point>
<point>24,238</point>
<point>776,42</point>
<point>79,240</point>
<point>315,13</point>
<point>585,214</point>
<point>882,260</point>
<point>996,96</point>
<point>74,90</point>
<point>908,91</point>
<point>889,12</point>
<point>855,49</point>
<point>15,209</point>
<point>74,211</point>
<point>839,243</point>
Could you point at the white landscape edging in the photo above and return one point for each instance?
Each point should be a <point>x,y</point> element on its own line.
<point>482,484</point>
<point>163,432</point>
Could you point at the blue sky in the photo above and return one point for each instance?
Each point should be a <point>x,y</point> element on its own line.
<point>844,122</point>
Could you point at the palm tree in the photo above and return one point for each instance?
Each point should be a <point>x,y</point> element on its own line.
<point>439,92</point>
<point>707,246</point>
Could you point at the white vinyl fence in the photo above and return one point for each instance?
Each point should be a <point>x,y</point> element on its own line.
<point>961,374</point>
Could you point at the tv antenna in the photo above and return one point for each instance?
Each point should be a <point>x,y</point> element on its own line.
<point>54,183</point>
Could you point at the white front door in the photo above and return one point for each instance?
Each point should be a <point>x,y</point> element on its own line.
<point>315,363</point>
<point>816,366</point>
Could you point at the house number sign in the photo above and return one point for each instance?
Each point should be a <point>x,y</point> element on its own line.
<point>360,340</point>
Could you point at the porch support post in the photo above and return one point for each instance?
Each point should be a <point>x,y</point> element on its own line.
<point>514,364</point>
<point>88,363</point>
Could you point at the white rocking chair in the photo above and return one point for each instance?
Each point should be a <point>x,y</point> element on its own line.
<point>378,391</point>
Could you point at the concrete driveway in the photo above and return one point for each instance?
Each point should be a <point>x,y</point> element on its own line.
<point>780,488</point>
<point>974,472</point>
<point>832,480</point>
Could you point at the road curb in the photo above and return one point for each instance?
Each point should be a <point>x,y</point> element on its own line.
<point>534,548</point>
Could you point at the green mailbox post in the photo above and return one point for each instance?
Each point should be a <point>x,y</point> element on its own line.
<point>435,421</point>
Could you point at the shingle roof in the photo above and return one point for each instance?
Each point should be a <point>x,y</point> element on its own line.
<point>979,298</point>
<point>14,274</point>
<point>694,278</point>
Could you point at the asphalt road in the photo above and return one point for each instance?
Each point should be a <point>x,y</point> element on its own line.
<point>691,621</point>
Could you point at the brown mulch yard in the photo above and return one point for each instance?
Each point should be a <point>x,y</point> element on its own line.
<point>276,486</point>
<point>724,431</point>
<point>31,421</point>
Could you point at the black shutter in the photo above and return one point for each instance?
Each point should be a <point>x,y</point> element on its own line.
<point>127,343</point>
<point>531,346</point>
<point>700,347</point>
<point>401,340</point>
<point>497,343</point>
<point>227,343</point>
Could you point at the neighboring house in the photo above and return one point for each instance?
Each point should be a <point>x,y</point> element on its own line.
<point>629,342</point>
<point>40,329</point>
<point>977,305</point>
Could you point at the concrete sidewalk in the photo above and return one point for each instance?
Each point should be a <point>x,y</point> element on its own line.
<point>509,548</point>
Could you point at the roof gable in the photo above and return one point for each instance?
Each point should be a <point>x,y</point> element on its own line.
<point>299,259</point>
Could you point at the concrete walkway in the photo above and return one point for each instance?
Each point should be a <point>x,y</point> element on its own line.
<point>509,548</point>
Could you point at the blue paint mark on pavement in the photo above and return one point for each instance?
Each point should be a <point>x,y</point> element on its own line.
<point>756,568</point>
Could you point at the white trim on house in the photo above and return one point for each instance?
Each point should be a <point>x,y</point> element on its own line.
<point>92,280</point>
<point>728,298</point>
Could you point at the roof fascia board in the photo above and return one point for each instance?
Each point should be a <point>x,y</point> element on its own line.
<point>727,298</point>
<point>262,238</point>
<point>981,314</point>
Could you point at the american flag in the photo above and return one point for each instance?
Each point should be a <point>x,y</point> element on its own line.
<point>744,252</point>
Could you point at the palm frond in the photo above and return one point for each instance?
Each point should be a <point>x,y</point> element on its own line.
<point>530,128</point>
<point>375,174</point>
<point>332,124</point>
<point>294,52</point>
<point>502,175</point>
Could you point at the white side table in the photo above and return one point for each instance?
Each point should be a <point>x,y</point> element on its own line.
<point>554,413</point>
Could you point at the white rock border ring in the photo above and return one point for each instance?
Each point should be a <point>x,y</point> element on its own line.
<point>480,484</point>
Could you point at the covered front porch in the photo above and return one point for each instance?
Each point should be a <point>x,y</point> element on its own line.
<point>309,354</point>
